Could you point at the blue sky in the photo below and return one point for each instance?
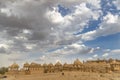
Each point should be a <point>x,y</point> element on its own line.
<point>105,42</point>
<point>49,31</point>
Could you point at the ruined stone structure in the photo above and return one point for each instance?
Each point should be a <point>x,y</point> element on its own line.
<point>33,68</point>
<point>13,69</point>
<point>99,66</point>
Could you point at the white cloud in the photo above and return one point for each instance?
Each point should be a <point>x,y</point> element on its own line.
<point>105,55</point>
<point>75,48</point>
<point>42,57</point>
<point>4,45</point>
<point>5,11</point>
<point>96,3</point>
<point>90,58</point>
<point>25,31</point>
<point>95,56</point>
<point>8,59</point>
<point>111,53</point>
<point>117,3</point>
<point>98,48</point>
<point>30,46</point>
<point>109,18</point>
<point>92,50</point>
<point>116,51</point>
<point>20,37</point>
<point>77,16</point>
<point>81,9</point>
<point>110,25</point>
<point>89,35</point>
<point>107,50</point>
<point>45,28</point>
<point>55,16</point>
<point>4,60</point>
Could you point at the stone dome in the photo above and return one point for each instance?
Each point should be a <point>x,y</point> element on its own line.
<point>26,64</point>
<point>77,62</point>
<point>44,65</point>
<point>58,64</point>
<point>39,65</point>
<point>14,65</point>
<point>33,63</point>
<point>112,61</point>
<point>65,65</point>
<point>50,64</point>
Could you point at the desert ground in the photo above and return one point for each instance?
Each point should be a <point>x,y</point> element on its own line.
<point>66,76</point>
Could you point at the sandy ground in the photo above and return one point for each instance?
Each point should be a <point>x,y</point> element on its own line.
<point>66,76</point>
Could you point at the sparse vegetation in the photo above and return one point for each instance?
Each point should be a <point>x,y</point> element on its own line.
<point>3,70</point>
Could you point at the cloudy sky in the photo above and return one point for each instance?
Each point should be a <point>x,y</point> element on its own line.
<point>46,31</point>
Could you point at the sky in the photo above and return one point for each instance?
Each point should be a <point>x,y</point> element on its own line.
<point>45,31</point>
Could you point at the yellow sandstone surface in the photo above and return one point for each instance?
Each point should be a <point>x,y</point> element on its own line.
<point>67,76</point>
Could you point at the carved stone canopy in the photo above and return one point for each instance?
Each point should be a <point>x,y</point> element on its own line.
<point>14,65</point>
<point>77,62</point>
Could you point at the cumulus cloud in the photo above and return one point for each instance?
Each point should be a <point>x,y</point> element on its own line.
<point>105,54</point>
<point>111,53</point>
<point>110,25</point>
<point>95,55</point>
<point>44,24</point>
<point>8,59</point>
<point>73,49</point>
<point>116,51</point>
<point>117,2</point>
<point>34,27</point>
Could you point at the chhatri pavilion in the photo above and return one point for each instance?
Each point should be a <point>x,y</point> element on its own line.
<point>99,66</point>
